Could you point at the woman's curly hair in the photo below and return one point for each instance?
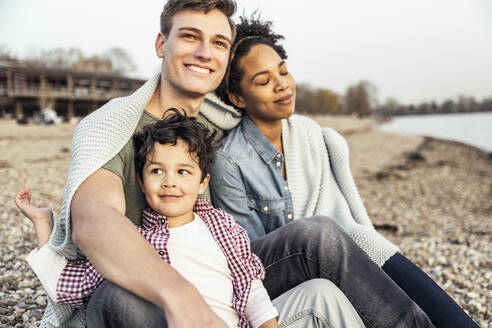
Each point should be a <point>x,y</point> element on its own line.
<point>250,32</point>
<point>176,125</point>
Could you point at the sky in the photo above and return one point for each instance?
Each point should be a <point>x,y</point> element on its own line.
<point>413,51</point>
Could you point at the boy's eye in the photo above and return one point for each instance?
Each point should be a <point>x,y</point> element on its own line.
<point>184,172</point>
<point>156,171</point>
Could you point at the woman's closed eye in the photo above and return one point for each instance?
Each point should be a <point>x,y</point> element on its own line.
<point>283,69</point>
<point>263,81</point>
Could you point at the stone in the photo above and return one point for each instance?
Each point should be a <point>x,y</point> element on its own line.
<point>41,301</point>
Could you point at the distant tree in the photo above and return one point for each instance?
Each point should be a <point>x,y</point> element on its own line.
<point>58,58</point>
<point>316,101</point>
<point>326,101</point>
<point>423,108</point>
<point>7,55</point>
<point>73,55</point>
<point>434,107</point>
<point>305,98</point>
<point>114,61</point>
<point>485,105</point>
<point>447,106</point>
<point>53,58</point>
<point>389,108</point>
<point>360,99</point>
<point>466,104</point>
<point>97,64</point>
<point>121,61</point>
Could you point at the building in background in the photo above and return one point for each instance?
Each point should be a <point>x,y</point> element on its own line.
<point>26,89</point>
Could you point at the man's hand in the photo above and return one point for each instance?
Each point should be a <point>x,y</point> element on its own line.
<point>190,311</point>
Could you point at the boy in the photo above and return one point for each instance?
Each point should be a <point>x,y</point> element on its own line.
<point>204,244</point>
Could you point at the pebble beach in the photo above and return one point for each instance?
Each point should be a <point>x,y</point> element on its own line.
<point>431,197</point>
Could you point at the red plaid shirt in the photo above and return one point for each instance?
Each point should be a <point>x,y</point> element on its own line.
<point>79,279</point>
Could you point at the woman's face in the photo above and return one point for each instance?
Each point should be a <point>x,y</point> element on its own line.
<point>268,90</point>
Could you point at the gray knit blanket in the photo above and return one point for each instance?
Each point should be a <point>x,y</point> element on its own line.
<point>321,183</point>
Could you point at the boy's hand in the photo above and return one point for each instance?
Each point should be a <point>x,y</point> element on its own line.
<point>40,216</point>
<point>23,198</point>
<point>33,213</point>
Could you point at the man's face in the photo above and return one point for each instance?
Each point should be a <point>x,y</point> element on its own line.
<point>171,181</point>
<point>195,53</point>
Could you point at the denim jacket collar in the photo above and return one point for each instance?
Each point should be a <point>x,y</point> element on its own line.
<point>257,139</point>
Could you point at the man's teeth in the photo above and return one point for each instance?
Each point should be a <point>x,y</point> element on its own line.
<point>199,69</point>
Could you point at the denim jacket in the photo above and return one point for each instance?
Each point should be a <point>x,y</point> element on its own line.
<point>258,198</point>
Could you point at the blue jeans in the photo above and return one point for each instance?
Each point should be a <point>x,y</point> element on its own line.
<point>316,303</point>
<point>439,306</point>
<point>112,306</point>
<point>318,248</point>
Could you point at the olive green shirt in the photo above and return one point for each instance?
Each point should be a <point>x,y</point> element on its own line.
<point>123,165</point>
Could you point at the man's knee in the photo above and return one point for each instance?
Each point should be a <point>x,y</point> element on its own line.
<point>323,291</point>
<point>113,306</point>
<point>327,299</point>
<point>317,302</point>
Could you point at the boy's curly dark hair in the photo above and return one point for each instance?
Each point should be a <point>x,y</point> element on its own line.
<point>176,125</point>
<point>250,32</point>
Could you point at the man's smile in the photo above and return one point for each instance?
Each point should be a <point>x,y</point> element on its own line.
<point>199,69</point>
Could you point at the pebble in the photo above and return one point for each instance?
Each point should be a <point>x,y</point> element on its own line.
<point>41,301</point>
<point>36,314</point>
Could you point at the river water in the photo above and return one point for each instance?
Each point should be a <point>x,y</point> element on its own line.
<point>471,128</point>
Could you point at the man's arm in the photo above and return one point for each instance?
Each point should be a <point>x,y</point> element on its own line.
<point>116,249</point>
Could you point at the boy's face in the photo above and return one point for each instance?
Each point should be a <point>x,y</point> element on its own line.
<point>171,181</point>
<point>195,53</point>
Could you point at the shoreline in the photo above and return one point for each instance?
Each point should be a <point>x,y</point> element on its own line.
<point>469,128</point>
<point>429,196</point>
<point>484,152</point>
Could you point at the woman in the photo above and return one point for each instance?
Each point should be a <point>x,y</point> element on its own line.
<point>276,167</point>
